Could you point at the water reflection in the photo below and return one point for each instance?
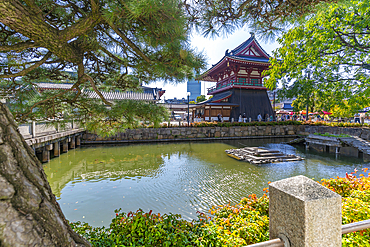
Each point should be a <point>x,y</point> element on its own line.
<point>180,178</point>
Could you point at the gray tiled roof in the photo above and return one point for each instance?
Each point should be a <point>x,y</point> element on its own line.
<point>121,95</point>
<point>46,85</point>
<point>94,95</point>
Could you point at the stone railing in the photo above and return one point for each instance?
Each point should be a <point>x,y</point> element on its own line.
<point>304,213</point>
<point>35,129</point>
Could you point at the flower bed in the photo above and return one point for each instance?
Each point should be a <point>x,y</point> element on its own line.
<point>334,124</point>
<point>273,123</point>
<point>228,124</point>
<point>231,225</point>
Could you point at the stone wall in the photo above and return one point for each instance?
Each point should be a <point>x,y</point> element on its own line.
<point>184,133</point>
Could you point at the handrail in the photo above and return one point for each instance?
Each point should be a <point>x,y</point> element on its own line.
<point>347,228</point>
<point>276,242</point>
<point>356,226</point>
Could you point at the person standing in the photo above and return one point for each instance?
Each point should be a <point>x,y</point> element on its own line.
<point>219,117</point>
<point>244,118</point>
<point>259,117</point>
<point>240,118</point>
<point>362,117</point>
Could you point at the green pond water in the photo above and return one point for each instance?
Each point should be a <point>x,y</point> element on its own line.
<point>91,182</point>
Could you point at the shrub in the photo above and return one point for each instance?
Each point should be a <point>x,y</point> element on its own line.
<point>140,229</point>
<point>355,192</point>
<point>238,225</point>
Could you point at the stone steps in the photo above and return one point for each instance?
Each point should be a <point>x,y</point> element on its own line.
<point>255,155</point>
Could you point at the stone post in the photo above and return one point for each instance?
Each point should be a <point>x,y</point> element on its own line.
<point>33,129</point>
<point>78,141</point>
<point>72,143</point>
<point>65,145</point>
<point>305,212</point>
<point>56,149</point>
<point>45,155</point>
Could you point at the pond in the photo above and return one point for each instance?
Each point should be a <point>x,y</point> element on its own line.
<point>91,182</point>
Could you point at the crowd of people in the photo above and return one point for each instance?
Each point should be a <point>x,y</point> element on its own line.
<point>358,118</point>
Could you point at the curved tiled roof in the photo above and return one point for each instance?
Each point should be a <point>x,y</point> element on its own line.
<point>249,58</point>
<point>235,54</point>
<point>245,44</point>
<point>216,98</point>
<point>242,46</point>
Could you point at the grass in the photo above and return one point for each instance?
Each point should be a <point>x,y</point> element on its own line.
<point>332,135</point>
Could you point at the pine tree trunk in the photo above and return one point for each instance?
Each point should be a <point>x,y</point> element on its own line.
<point>29,212</point>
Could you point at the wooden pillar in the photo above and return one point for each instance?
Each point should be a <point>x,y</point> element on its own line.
<point>56,149</point>
<point>45,155</point>
<point>210,114</point>
<point>222,112</point>
<point>72,143</point>
<point>65,145</point>
<point>78,141</point>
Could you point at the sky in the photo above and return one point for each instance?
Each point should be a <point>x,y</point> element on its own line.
<point>214,49</point>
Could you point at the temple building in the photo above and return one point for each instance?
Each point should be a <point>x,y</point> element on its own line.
<point>239,86</point>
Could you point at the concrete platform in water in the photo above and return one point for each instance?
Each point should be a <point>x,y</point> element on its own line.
<point>256,155</point>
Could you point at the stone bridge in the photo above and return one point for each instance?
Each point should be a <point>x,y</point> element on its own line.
<point>48,141</point>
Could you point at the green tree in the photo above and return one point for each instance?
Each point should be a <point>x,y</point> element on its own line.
<point>201,98</point>
<point>327,58</point>
<point>112,45</point>
<point>192,102</point>
<point>267,17</point>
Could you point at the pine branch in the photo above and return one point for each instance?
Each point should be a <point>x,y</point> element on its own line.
<point>83,26</point>
<point>92,82</point>
<point>24,116</point>
<point>117,59</point>
<point>18,47</point>
<point>29,69</point>
<point>129,42</point>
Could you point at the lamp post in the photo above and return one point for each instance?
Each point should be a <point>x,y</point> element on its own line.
<point>188,94</point>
